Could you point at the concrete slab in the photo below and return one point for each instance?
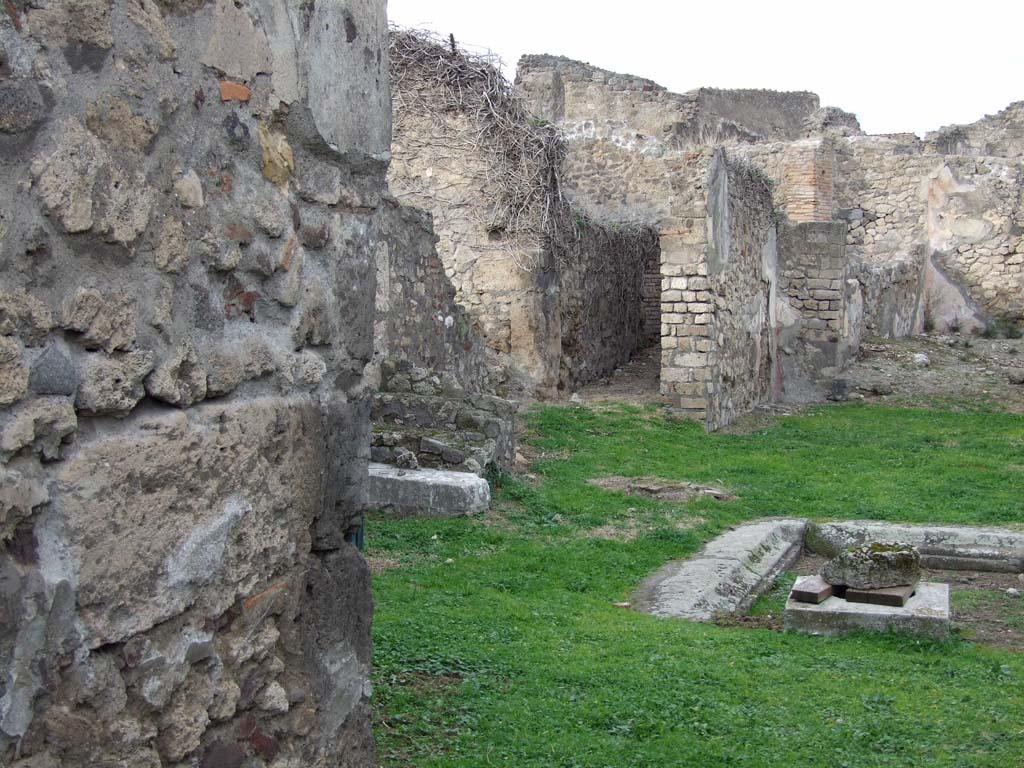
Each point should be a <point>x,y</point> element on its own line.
<point>727,575</point>
<point>950,547</point>
<point>427,492</point>
<point>926,613</point>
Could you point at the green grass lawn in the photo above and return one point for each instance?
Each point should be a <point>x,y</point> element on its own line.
<point>497,641</point>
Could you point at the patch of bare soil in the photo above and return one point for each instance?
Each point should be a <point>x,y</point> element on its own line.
<point>632,527</point>
<point>944,367</point>
<point>659,488</point>
<point>636,382</point>
<point>380,563</point>
<point>983,611</point>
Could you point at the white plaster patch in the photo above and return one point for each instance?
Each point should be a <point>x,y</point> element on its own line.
<point>199,557</point>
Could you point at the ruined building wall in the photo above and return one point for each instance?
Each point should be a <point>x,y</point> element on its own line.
<point>603,299</point>
<point>418,320</point>
<point>573,93</point>
<point>998,135</point>
<point>956,214</point>
<point>719,301</point>
<point>503,283</point>
<point>538,288</point>
<point>190,203</point>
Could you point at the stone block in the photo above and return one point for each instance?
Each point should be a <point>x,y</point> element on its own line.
<point>926,613</point>
<point>427,492</point>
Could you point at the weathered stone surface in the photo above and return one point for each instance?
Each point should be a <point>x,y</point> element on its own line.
<point>220,484</point>
<point>13,372</point>
<point>147,14</point>
<point>927,613</point>
<point>177,586</point>
<point>84,21</point>
<point>43,425</point>
<point>189,190</point>
<point>81,185</point>
<point>21,106</point>
<point>113,120</point>
<point>727,575</point>
<point>427,492</point>
<point>24,315</point>
<point>22,489</point>
<point>874,566</point>
<point>278,159</point>
<point>941,546</point>
<point>112,384</point>
<point>179,379</point>
<point>107,323</point>
<point>238,47</point>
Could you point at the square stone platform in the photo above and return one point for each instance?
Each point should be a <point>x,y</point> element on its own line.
<point>926,613</point>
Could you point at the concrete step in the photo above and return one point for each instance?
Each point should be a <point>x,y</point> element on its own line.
<point>427,492</point>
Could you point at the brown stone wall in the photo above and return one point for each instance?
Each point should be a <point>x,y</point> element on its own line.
<point>718,267</point>
<point>190,204</point>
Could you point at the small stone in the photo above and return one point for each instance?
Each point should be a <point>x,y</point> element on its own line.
<point>107,323</point>
<point>113,383</point>
<point>53,372</point>
<point>922,360</point>
<point>406,459</point>
<point>189,190</point>
<point>430,445</point>
<point>1013,592</point>
<point>44,424</point>
<point>278,160</point>
<point>575,399</point>
<point>25,316</point>
<point>273,698</point>
<point>1016,376</point>
<point>178,380</point>
<point>230,91</point>
<point>13,372</point>
<point>874,566</point>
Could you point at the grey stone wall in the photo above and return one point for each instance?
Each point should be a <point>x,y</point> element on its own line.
<point>190,204</point>
<point>603,303</point>
<point>998,135</point>
<point>419,323</point>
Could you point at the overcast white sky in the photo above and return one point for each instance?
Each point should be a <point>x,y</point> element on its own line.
<point>900,65</point>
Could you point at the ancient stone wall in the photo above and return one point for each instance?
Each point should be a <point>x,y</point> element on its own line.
<point>514,251</point>
<point>603,302</point>
<point>718,298</point>
<point>998,135</point>
<point>190,204</point>
<point>569,92</point>
<point>418,321</point>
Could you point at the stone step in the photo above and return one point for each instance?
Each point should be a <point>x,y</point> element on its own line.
<point>427,492</point>
<point>458,451</point>
<point>464,434</point>
<point>727,575</point>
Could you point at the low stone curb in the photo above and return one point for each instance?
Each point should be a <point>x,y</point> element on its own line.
<point>942,547</point>
<point>727,575</point>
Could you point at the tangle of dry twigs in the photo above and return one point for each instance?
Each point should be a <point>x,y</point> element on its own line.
<point>523,155</point>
